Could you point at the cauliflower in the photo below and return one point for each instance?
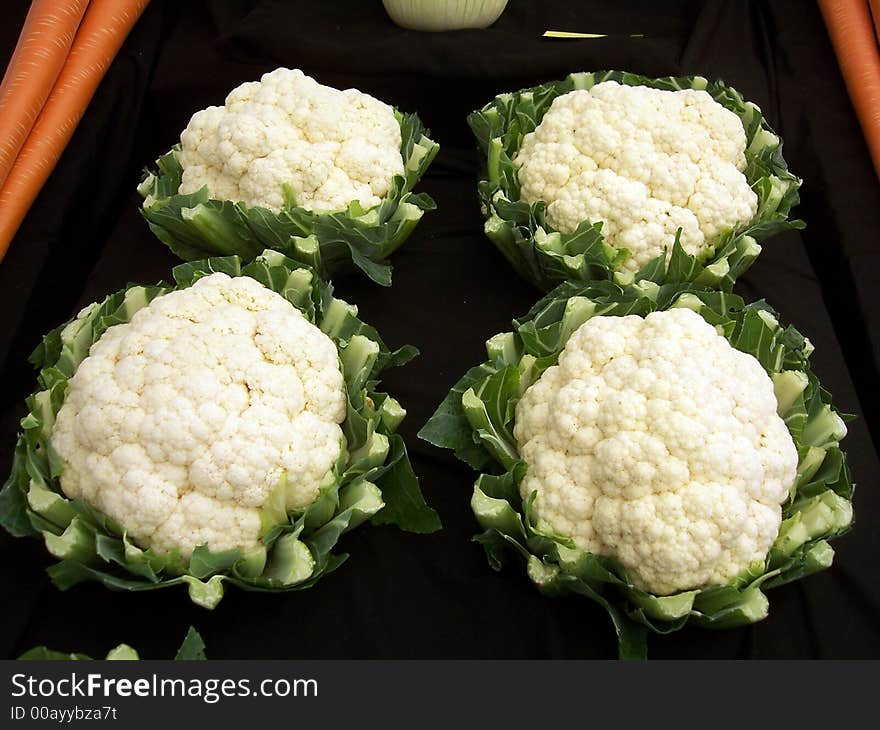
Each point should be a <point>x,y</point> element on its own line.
<point>181,423</point>
<point>330,147</point>
<point>634,449</point>
<point>645,162</point>
<point>223,429</point>
<point>655,442</point>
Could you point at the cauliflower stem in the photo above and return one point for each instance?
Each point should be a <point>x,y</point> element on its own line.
<point>478,418</point>
<point>195,226</point>
<point>372,479</point>
<point>545,256</point>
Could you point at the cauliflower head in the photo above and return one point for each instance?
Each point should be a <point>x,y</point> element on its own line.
<point>655,442</point>
<point>182,423</point>
<point>330,147</point>
<point>645,162</point>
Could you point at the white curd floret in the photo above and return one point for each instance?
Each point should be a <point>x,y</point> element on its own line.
<point>181,423</point>
<point>655,442</point>
<point>645,162</point>
<point>330,147</point>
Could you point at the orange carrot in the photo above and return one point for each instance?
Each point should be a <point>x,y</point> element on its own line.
<point>39,55</point>
<point>852,33</point>
<point>99,38</point>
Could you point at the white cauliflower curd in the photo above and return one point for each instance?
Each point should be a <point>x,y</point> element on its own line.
<point>330,147</point>
<point>182,422</point>
<point>645,162</point>
<point>655,442</point>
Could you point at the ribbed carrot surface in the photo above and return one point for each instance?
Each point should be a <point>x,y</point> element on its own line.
<point>101,34</point>
<point>38,58</point>
<point>855,43</point>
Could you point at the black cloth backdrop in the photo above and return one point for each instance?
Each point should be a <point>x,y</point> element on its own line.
<point>403,595</point>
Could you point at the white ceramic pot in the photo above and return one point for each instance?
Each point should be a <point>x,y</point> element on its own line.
<point>437,15</point>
